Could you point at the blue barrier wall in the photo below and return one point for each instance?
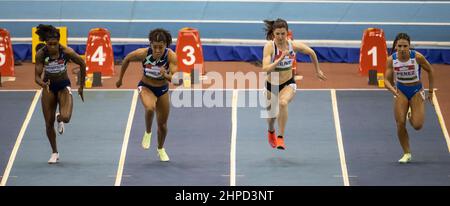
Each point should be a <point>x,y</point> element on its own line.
<point>251,53</point>
<point>311,20</point>
<point>340,20</point>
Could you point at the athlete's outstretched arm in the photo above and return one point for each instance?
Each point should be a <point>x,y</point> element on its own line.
<point>38,69</point>
<point>305,49</point>
<point>77,60</point>
<point>136,55</point>
<point>427,67</point>
<point>389,77</point>
<point>173,67</point>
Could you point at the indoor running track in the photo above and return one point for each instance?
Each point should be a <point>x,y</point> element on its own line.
<point>342,137</point>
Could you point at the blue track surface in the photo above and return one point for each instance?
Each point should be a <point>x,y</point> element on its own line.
<point>372,148</point>
<point>311,156</point>
<point>198,144</point>
<point>89,148</point>
<point>13,110</point>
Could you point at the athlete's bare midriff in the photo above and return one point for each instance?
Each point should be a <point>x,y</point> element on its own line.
<point>153,82</point>
<point>284,76</point>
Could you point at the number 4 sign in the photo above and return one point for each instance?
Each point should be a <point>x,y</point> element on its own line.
<point>373,52</point>
<point>99,53</point>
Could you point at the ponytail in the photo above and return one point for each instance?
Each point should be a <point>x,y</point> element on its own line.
<point>272,25</point>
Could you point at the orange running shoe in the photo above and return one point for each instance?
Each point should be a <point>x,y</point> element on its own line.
<point>272,138</point>
<point>280,143</point>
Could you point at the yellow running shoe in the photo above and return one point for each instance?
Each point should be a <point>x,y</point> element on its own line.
<point>163,155</point>
<point>406,158</point>
<point>146,140</point>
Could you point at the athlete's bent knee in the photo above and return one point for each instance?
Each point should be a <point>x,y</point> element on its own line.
<point>64,118</point>
<point>283,103</point>
<point>417,126</point>
<point>150,108</point>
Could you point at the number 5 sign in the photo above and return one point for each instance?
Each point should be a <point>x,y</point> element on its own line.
<point>99,53</point>
<point>189,51</point>
<point>373,52</point>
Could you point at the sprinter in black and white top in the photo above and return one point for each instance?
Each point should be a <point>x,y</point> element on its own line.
<point>278,56</point>
<point>159,63</point>
<point>404,71</point>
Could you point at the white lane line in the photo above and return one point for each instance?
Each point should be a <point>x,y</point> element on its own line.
<point>337,124</point>
<point>126,138</point>
<point>233,138</point>
<point>20,137</point>
<point>441,120</point>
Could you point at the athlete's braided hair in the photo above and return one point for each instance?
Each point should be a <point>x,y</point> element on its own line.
<point>158,35</point>
<point>46,32</point>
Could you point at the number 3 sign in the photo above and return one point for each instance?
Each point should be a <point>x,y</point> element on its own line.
<point>189,50</point>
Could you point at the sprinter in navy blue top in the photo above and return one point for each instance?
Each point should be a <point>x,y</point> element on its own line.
<point>52,60</point>
<point>159,63</point>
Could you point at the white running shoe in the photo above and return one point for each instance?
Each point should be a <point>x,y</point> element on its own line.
<point>163,155</point>
<point>60,124</point>
<point>146,139</point>
<point>54,158</point>
<point>405,159</point>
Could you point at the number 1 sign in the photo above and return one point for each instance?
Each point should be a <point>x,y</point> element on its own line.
<point>373,52</point>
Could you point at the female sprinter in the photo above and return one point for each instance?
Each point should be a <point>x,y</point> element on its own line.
<point>52,60</point>
<point>278,56</point>
<point>159,63</point>
<point>404,66</point>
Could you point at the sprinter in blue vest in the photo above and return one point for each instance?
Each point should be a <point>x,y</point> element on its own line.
<point>404,71</point>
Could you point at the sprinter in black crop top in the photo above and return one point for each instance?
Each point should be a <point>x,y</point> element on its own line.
<point>51,61</point>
